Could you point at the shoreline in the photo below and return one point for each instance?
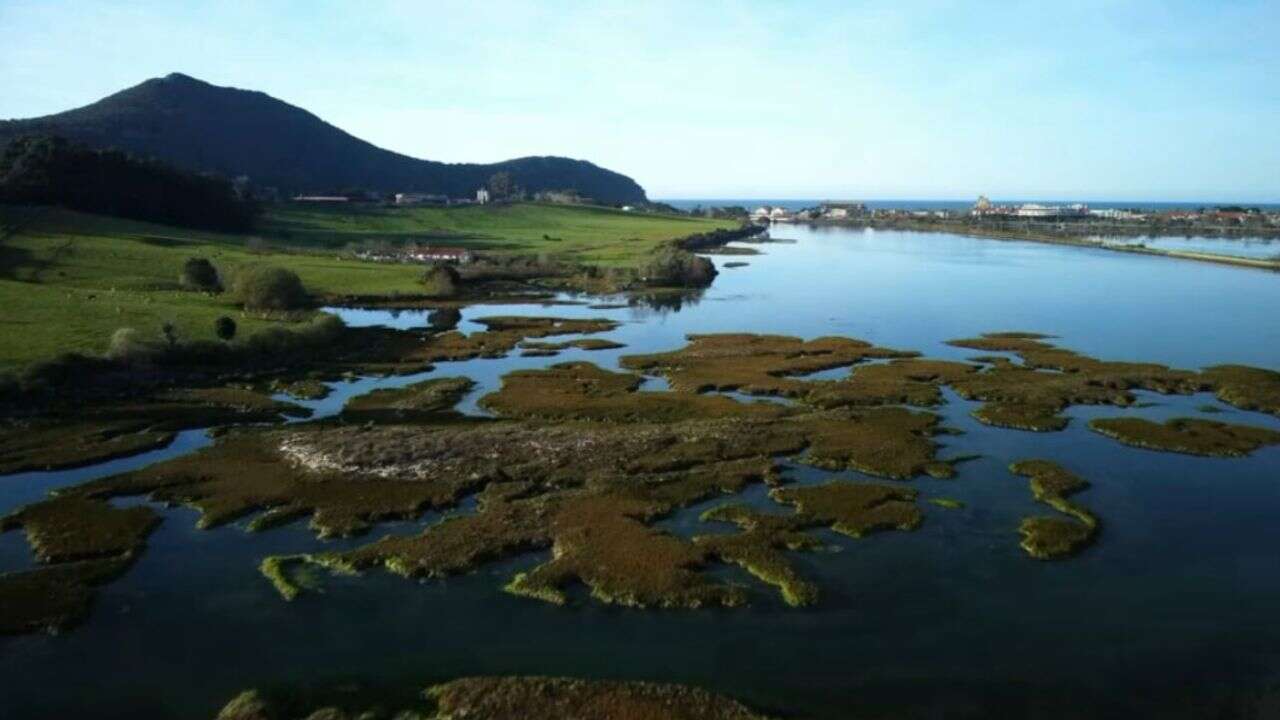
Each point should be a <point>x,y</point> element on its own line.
<point>1031,236</point>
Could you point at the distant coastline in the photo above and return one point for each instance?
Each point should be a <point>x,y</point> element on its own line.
<point>687,204</point>
<point>1053,239</point>
<point>954,217</point>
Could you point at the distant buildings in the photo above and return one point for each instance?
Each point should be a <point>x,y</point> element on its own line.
<point>460,256</point>
<point>1031,211</point>
<point>421,199</point>
<point>321,198</point>
<point>1117,214</point>
<point>482,195</point>
<point>419,253</point>
<point>842,210</point>
<point>985,208</point>
<point>767,213</point>
<point>1034,210</point>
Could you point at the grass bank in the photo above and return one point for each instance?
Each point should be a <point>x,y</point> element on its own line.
<point>568,233</point>
<point>68,280</point>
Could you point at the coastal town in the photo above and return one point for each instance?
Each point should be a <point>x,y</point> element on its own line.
<point>1226,217</point>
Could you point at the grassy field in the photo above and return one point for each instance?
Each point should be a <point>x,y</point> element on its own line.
<point>69,280</point>
<point>594,235</point>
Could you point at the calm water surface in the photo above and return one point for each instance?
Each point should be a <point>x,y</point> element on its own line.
<point>1256,248</point>
<point>1173,611</point>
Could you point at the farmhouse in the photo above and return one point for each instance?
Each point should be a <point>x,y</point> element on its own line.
<point>321,198</point>
<point>421,199</point>
<point>461,256</point>
<point>418,253</point>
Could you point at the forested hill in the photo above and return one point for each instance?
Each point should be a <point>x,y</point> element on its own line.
<point>232,132</point>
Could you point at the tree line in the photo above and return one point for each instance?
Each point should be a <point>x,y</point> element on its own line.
<point>51,170</point>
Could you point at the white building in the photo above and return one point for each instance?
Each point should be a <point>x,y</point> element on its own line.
<point>461,256</point>
<point>321,198</point>
<point>1117,214</point>
<point>420,198</point>
<point>1033,210</point>
<point>482,196</point>
<point>842,210</point>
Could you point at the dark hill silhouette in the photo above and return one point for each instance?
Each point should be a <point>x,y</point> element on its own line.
<point>232,132</point>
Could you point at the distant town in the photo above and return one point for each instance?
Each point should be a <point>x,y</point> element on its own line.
<point>401,198</point>
<point>1075,223</point>
<point>984,209</point>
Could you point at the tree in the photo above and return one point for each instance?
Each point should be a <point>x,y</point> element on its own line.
<point>169,332</point>
<point>200,274</point>
<point>501,185</point>
<point>441,280</point>
<point>127,346</point>
<point>264,287</point>
<point>678,268</point>
<point>52,170</point>
<point>225,328</point>
<point>446,318</point>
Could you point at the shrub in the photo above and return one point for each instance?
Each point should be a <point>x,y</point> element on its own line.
<point>225,328</point>
<point>278,342</point>
<point>200,274</point>
<point>446,318</point>
<point>441,280</point>
<point>269,288</point>
<point>127,346</point>
<point>62,370</point>
<point>169,332</point>
<point>674,267</point>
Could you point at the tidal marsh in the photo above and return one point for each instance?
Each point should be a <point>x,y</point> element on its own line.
<point>520,698</point>
<point>1049,538</point>
<point>1191,436</point>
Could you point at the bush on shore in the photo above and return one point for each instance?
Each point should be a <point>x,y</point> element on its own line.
<point>132,358</point>
<point>441,280</point>
<point>269,288</point>
<point>200,274</point>
<point>225,328</point>
<point>444,318</point>
<point>128,347</point>
<point>673,267</point>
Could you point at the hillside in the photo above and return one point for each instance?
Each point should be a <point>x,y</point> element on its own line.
<point>232,132</point>
<point>574,233</point>
<point>69,279</point>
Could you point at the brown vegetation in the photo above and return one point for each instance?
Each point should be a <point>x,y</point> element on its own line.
<point>1047,537</point>
<point>527,698</point>
<point>1191,436</point>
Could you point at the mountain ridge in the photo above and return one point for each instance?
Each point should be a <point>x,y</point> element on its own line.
<point>203,127</point>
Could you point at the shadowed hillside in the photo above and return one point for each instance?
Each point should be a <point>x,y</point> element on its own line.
<point>233,132</point>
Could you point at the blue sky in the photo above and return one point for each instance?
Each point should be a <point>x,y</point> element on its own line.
<point>1091,100</point>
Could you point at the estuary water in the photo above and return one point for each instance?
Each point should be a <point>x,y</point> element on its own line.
<point>1254,248</point>
<point>1171,613</point>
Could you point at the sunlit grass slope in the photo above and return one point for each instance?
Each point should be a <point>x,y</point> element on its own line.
<point>68,280</point>
<point>595,235</point>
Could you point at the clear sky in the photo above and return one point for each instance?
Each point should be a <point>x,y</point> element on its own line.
<point>1142,100</point>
